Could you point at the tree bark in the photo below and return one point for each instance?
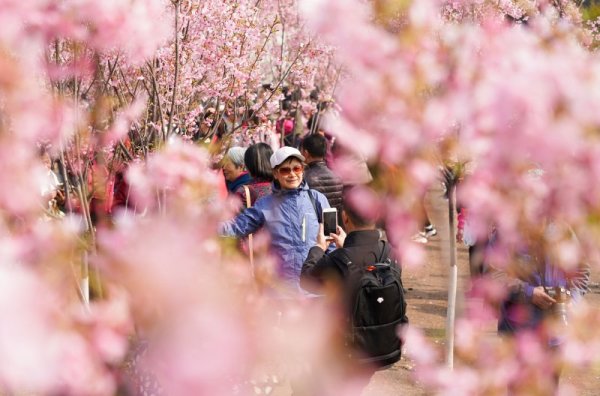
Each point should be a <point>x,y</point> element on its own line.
<point>452,278</point>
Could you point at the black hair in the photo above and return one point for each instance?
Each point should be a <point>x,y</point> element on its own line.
<point>257,161</point>
<point>316,145</point>
<point>314,94</point>
<point>296,95</point>
<point>358,219</point>
<point>286,104</point>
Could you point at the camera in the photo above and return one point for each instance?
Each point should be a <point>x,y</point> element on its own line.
<point>559,309</point>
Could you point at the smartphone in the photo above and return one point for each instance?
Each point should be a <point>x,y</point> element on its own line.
<point>329,221</point>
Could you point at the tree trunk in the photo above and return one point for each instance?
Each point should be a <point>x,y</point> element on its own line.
<point>453,277</point>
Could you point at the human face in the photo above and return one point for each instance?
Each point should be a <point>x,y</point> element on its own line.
<point>289,174</point>
<point>231,171</point>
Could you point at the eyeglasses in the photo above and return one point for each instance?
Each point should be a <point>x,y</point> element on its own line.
<point>286,170</point>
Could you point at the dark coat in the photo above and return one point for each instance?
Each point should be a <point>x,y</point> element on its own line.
<point>319,177</point>
<point>361,249</point>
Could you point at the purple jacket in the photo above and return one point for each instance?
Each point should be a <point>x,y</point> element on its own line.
<point>518,312</point>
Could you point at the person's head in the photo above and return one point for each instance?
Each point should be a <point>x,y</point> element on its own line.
<point>233,163</point>
<point>257,160</point>
<point>208,120</point>
<point>352,217</point>
<point>284,126</point>
<point>288,167</point>
<point>314,147</point>
<point>45,157</point>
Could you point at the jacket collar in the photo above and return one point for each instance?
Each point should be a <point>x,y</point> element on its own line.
<point>242,179</point>
<point>362,237</point>
<point>316,164</point>
<point>277,190</point>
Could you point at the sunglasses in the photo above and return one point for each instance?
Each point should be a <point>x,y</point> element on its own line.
<point>286,170</point>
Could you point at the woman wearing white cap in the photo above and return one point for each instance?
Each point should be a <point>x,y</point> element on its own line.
<point>291,214</point>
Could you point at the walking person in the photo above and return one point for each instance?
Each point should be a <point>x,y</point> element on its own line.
<point>291,215</point>
<point>427,229</point>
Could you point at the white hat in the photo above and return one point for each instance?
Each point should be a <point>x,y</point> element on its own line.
<point>284,153</point>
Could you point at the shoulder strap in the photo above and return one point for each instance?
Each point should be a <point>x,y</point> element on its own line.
<point>248,200</point>
<point>314,204</point>
<point>349,267</point>
<point>385,251</point>
<point>250,237</point>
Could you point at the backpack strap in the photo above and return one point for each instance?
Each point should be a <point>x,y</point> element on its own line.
<point>349,267</point>
<point>250,237</point>
<point>383,256</point>
<point>385,251</point>
<point>314,205</point>
<point>247,192</point>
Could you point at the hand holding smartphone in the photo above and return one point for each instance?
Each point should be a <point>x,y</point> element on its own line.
<point>330,222</point>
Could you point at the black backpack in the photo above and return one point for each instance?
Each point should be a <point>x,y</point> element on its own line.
<point>377,308</point>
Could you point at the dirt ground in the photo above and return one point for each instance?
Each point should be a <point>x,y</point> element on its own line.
<point>426,298</point>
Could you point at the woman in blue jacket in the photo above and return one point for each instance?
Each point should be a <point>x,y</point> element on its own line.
<point>291,214</point>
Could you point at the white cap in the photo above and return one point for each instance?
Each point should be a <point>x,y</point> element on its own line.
<point>283,153</point>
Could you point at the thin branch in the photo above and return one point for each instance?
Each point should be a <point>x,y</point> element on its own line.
<point>125,82</point>
<point>259,53</point>
<point>111,70</point>
<point>176,77</point>
<point>156,93</point>
<point>283,77</point>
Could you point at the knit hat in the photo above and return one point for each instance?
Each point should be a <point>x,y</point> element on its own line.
<point>283,153</point>
<point>236,155</point>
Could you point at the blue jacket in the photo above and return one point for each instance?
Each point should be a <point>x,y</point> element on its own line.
<point>292,221</point>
